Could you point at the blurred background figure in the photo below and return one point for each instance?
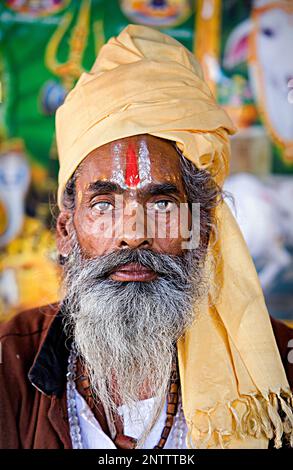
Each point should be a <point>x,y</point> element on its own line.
<point>245,51</point>
<point>27,270</point>
<point>265,216</point>
<point>14,183</point>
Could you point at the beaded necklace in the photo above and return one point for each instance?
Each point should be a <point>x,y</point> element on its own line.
<point>75,432</point>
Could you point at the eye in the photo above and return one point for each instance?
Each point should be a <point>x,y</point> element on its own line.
<point>102,206</point>
<point>268,32</point>
<point>164,205</point>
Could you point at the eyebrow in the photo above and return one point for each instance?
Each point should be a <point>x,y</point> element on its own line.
<point>104,187</point>
<point>162,188</point>
<point>107,187</point>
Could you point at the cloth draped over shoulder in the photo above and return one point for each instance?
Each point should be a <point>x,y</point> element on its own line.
<point>234,388</point>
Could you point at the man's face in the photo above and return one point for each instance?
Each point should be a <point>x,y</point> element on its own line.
<point>130,294</point>
<point>133,184</point>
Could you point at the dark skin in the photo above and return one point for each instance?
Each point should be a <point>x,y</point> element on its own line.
<point>161,191</point>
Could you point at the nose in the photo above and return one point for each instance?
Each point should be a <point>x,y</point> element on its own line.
<point>134,243</point>
<point>132,236</point>
<point>132,232</point>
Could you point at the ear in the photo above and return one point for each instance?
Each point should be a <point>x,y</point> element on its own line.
<point>64,232</point>
<point>236,49</point>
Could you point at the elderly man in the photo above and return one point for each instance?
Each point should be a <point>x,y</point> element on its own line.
<point>162,338</point>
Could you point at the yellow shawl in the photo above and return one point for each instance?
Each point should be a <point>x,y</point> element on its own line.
<point>234,388</point>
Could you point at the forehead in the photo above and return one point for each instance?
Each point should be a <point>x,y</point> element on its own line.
<point>162,161</point>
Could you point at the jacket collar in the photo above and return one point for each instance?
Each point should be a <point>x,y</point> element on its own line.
<point>48,372</point>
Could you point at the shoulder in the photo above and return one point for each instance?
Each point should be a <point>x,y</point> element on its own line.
<point>29,322</point>
<point>23,334</point>
<point>20,340</point>
<point>284,339</point>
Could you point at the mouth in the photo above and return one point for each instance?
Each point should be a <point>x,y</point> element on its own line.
<point>133,272</point>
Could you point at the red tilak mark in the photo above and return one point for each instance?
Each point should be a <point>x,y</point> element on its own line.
<point>131,173</point>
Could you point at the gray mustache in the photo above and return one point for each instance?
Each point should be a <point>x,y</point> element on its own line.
<point>167,266</point>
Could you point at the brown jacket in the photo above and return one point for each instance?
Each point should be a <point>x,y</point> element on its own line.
<point>34,352</point>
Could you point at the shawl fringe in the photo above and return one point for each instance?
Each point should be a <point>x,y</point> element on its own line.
<point>269,417</point>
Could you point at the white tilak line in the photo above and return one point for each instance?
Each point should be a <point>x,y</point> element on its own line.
<point>144,165</point>
<point>117,174</point>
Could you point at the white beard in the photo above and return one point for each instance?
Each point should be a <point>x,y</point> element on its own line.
<point>126,332</point>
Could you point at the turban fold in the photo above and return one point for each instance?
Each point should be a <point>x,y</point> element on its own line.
<point>234,388</point>
<point>143,82</point>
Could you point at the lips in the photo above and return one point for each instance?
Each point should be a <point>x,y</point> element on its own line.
<point>133,272</point>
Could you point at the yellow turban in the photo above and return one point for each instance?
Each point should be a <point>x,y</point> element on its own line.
<point>234,388</point>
